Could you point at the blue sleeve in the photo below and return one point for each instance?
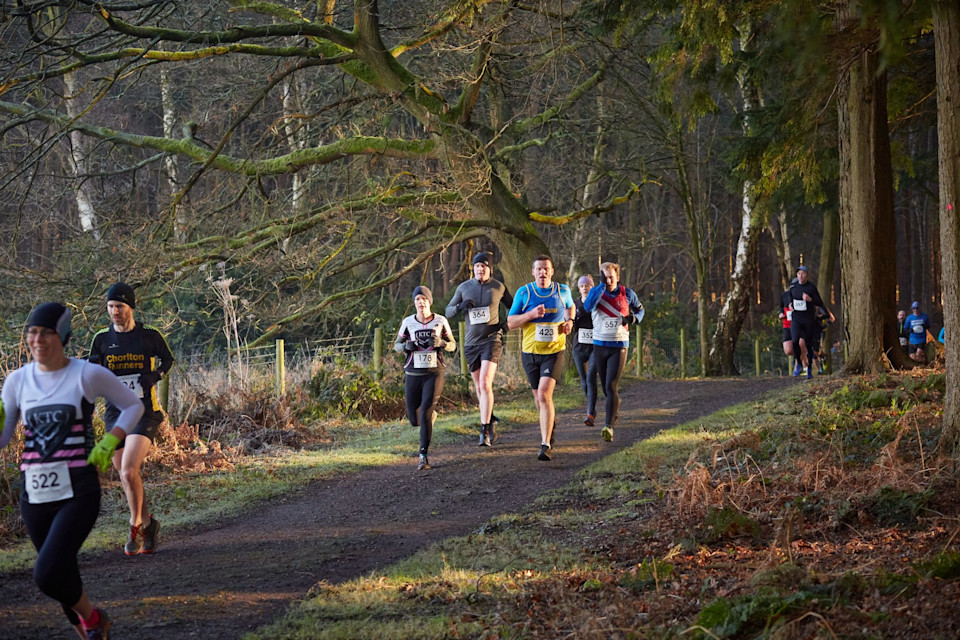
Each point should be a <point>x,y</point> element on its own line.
<point>565,296</point>
<point>593,297</point>
<point>519,301</point>
<point>635,305</point>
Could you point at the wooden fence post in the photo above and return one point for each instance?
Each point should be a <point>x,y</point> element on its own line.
<point>683,353</point>
<point>281,381</point>
<point>378,351</point>
<point>756,354</point>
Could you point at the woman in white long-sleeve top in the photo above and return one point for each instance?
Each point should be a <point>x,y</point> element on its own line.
<point>423,337</point>
<point>55,396</point>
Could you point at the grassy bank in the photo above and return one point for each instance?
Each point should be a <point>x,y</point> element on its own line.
<point>818,512</point>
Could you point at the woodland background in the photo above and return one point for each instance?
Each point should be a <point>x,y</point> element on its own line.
<point>261,170</point>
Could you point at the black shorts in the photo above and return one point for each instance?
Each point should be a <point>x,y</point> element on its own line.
<point>149,424</point>
<point>537,366</point>
<point>489,350</point>
<point>786,335</point>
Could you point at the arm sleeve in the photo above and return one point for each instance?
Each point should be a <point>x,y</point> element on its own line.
<point>567,298</point>
<point>507,299</point>
<point>95,356</point>
<point>402,337</point>
<point>11,411</point>
<point>166,356</point>
<point>519,301</point>
<point>451,342</point>
<point>593,296</point>
<point>100,382</point>
<point>451,309</point>
<point>635,305</point>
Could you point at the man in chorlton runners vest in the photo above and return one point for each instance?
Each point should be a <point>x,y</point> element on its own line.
<point>137,354</point>
<point>479,298</point>
<point>545,311</point>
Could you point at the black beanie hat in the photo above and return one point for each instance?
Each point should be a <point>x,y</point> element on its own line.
<point>122,292</point>
<point>423,291</point>
<point>51,315</point>
<point>483,257</point>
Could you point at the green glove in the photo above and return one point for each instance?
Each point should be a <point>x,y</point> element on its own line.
<point>103,452</point>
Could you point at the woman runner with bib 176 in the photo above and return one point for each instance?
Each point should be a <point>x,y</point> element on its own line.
<point>60,501</point>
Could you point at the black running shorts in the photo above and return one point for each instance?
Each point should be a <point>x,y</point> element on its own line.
<point>537,366</point>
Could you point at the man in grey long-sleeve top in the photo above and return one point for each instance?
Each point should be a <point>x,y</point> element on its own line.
<point>480,298</point>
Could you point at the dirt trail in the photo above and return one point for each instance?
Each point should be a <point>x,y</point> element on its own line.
<point>237,575</point>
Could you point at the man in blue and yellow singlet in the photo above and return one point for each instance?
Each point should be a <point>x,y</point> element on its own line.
<point>544,310</point>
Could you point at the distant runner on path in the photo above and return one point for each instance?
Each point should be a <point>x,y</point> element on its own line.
<point>805,298</point>
<point>423,337</point>
<point>545,311</point>
<point>480,298</point>
<point>614,308</point>
<point>139,356</point>
<point>60,500</point>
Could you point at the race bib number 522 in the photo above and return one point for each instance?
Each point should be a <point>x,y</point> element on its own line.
<point>48,482</point>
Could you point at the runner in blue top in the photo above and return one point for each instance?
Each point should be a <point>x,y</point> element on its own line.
<point>544,310</point>
<point>613,307</point>
<point>918,324</point>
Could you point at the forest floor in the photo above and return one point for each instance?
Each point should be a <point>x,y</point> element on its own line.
<point>232,576</point>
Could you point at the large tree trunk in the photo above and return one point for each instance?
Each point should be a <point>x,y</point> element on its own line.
<point>170,161</point>
<point>828,262</point>
<point>508,223</point>
<point>736,306</point>
<point>946,29</point>
<point>867,226</point>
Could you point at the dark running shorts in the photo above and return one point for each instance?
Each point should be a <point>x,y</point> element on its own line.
<point>149,424</point>
<point>537,366</point>
<point>476,353</point>
<point>787,337</point>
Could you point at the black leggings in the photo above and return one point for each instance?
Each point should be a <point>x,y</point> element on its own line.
<point>609,362</point>
<point>583,360</point>
<point>421,393</point>
<point>57,530</point>
<point>802,328</point>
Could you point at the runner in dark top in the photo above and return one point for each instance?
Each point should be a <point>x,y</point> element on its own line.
<point>423,337</point>
<point>805,299</point>
<point>139,356</point>
<point>60,500</point>
<point>582,335</point>
<point>479,298</point>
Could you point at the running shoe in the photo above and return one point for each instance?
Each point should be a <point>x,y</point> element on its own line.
<point>134,543</point>
<point>796,370</point>
<point>423,463</point>
<point>492,434</point>
<point>544,453</point>
<point>589,420</point>
<point>484,439</point>
<point>150,532</point>
<point>809,373</point>
<point>494,420</point>
<point>102,629</point>
<point>607,433</point>
<point>820,371</point>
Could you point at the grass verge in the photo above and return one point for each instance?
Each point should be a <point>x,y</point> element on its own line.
<point>818,512</point>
